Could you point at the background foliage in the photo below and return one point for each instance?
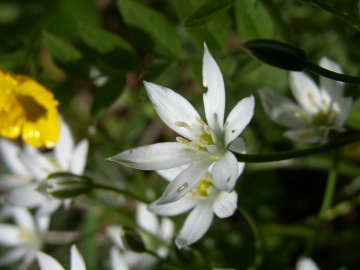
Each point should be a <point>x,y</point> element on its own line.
<point>58,42</point>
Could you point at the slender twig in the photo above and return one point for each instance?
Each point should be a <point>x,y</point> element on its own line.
<point>259,245</point>
<point>296,153</point>
<point>326,203</point>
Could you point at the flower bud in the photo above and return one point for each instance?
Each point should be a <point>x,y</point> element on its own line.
<point>277,54</point>
<point>132,240</point>
<point>65,185</point>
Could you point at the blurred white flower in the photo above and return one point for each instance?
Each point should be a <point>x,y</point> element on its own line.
<point>305,263</point>
<point>47,262</point>
<point>31,164</point>
<point>319,110</point>
<point>149,223</point>
<point>204,199</point>
<point>201,145</point>
<point>25,237</point>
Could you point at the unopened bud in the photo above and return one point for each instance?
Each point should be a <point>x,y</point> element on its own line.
<point>65,185</point>
<point>132,240</point>
<point>277,54</point>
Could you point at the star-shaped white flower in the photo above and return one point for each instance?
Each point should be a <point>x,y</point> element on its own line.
<point>319,110</point>
<point>47,262</point>
<point>204,200</point>
<point>201,145</point>
<point>32,164</point>
<point>25,238</point>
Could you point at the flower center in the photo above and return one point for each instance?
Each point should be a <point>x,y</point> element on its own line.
<point>323,120</point>
<point>203,189</point>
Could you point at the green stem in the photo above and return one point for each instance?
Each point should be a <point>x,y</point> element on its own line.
<point>331,75</point>
<point>122,192</point>
<point>342,16</point>
<point>296,153</point>
<point>326,203</point>
<point>259,245</point>
<point>278,20</point>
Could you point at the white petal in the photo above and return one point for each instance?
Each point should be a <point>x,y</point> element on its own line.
<point>9,235</point>
<point>305,91</point>
<point>77,261</point>
<point>239,118</point>
<point>159,156</point>
<point>175,208</point>
<point>43,223</point>
<point>64,147</point>
<point>225,172</point>
<point>196,225</point>
<point>282,110</point>
<point>225,204</point>
<point>38,165</point>
<point>345,105</point>
<point>29,257</point>
<point>12,256</point>
<point>214,98</point>
<point>303,135</point>
<point>78,159</point>
<point>116,260</point>
<point>25,196</point>
<point>9,153</point>
<point>172,108</point>
<point>332,90</point>
<point>139,260</point>
<point>9,181</point>
<point>23,218</point>
<point>49,207</point>
<point>167,228</point>
<point>47,262</point>
<point>114,232</point>
<point>146,220</point>
<point>185,181</point>
<point>238,146</point>
<point>306,264</point>
<point>170,174</point>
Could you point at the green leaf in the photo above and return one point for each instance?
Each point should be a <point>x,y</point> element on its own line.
<point>216,34</point>
<point>101,40</point>
<point>152,31</point>
<point>252,21</point>
<point>106,95</point>
<point>207,12</point>
<point>60,50</point>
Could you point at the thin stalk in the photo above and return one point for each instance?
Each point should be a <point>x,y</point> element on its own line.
<point>296,153</point>
<point>122,192</point>
<point>282,26</point>
<point>326,203</point>
<point>331,75</point>
<point>341,15</point>
<point>259,245</point>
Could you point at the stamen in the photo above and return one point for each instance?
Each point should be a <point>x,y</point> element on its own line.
<point>188,151</point>
<point>310,99</point>
<point>182,140</point>
<point>182,124</point>
<point>201,122</point>
<point>301,116</point>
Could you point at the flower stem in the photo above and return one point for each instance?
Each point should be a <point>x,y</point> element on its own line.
<point>296,153</point>
<point>331,75</point>
<point>122,192</point>
<point>326,203</point>
<point>341,15</point>
<point>259,245</point>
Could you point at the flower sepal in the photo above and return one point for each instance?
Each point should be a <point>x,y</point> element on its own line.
<point>63,185</point>
<point>132,240</point>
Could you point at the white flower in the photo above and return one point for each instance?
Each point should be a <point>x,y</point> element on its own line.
<point>25,238</point>
<point>205,200</point>
<point>319,110</point>
<point>47,262</point>
<point>32,164</point>
<point>201,144</point>
<point>306,264</point>
<point>149,222</point>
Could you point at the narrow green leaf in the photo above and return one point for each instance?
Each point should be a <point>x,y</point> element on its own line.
<point>106,95</point>
<point>252,21</point>
<point>60,50</point>
<point>101,40</point>
<point>153,32</point>
<point>207,12</point>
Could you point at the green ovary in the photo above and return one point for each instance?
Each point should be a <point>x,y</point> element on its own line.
<point>321,119</point>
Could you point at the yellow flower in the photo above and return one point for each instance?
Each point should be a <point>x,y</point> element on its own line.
<point>27,109</point>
